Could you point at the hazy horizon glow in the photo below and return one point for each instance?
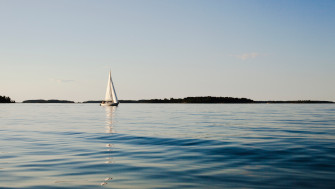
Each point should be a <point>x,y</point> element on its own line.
<point>257,49</point>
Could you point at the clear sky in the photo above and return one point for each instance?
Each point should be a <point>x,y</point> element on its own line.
<point>258,49</point>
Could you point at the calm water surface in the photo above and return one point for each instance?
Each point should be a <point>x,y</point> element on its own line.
<point>167,146</point>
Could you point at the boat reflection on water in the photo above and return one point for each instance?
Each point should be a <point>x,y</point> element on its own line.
<point>110,111</point>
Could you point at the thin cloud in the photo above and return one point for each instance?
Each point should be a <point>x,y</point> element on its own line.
<point>62,80</point>
<point>247,56</point>
<point>65,81</point>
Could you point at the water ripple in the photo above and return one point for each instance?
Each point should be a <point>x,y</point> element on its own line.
<point>168,146</point>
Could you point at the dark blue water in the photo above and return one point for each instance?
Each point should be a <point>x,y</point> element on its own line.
<point>167,146</point>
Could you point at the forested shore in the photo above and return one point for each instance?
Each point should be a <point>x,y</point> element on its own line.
<point>196,100</point>
<point>47,101</point>
<point>6,99</point>
<point>211,99</point>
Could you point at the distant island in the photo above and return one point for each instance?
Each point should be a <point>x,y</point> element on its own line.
<point>211,99</point>
<point>207,99</point>
<point>47,101</point>
<point>6,99</point>
<point>194,100</point>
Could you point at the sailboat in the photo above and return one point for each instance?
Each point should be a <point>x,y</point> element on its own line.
<point>110,98</point>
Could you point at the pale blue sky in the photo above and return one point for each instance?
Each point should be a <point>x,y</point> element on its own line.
<point>258,49</point>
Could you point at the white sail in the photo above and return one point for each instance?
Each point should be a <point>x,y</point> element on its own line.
<point>110,91</point>
<point>114,97</point>
<point>108,96</point>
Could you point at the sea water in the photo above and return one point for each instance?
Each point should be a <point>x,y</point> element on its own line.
<point>167,146</point>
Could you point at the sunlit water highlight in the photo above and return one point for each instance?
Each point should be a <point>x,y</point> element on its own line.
<point>167,146</point>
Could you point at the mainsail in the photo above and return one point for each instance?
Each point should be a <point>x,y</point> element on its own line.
<point>110,91</point>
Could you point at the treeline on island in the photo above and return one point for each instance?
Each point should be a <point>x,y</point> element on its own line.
<point>211,99</point>
<point>47,101</point>
<point>6,99</point>
<point>199,99</point>
<point>205,99</point>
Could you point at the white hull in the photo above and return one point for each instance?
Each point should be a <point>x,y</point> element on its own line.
<point>109,104</point>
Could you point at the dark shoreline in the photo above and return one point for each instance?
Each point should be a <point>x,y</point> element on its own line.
<point>194,100</point>
<point>218,100</point>
<point>48,101</point>
<point>6,99</point>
